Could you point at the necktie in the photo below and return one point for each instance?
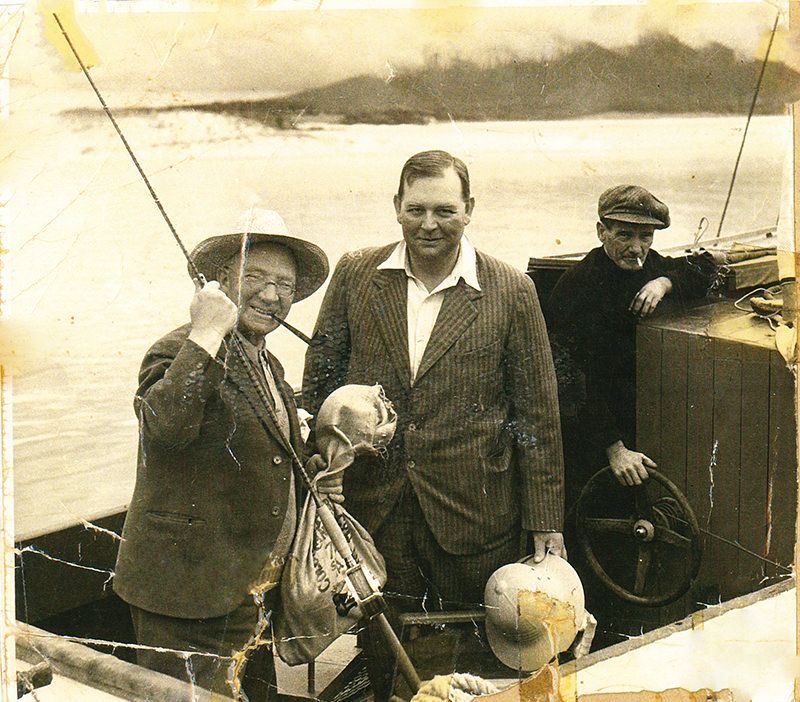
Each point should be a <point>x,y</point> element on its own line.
<point>274,396</point>
<point>270,385</point>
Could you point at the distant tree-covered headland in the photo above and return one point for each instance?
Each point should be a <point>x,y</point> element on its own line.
<point>657,75</point>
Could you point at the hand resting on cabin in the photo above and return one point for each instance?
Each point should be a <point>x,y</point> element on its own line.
<point>213,315</point>
<point>647,299</point>
<point>628,466</point>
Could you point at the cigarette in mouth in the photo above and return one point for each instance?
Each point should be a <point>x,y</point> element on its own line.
<point>638,261</point>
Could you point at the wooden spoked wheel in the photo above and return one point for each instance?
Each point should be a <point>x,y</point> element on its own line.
<point>642,542</point>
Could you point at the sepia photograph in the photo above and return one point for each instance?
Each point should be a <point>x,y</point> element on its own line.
<point>368,352</point>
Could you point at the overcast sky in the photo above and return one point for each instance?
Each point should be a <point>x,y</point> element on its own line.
<point>158,57</point>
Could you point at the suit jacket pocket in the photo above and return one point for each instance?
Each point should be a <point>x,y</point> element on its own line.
<point>466,352</point>
<point>174,518</point>
<point>175,535</point>
<point>499,459</point>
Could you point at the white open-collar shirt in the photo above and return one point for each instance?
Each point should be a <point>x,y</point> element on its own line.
<point>423,306</point>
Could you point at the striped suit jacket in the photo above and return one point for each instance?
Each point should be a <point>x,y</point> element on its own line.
<point>478,433</point>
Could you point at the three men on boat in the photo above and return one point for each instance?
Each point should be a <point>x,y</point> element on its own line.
<point>213,513</point>
<point>457,340</point>
<point>474,476</point>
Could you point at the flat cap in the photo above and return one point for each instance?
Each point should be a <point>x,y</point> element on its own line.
<point>632,203</point>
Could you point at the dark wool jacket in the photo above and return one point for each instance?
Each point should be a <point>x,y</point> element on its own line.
<point>594,340</point>
<point>212,482</point>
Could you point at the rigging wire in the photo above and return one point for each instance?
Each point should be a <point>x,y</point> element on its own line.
<point>747,124</point>
<point>747,551</point>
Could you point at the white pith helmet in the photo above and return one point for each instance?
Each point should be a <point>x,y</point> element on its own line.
<point>533,611</point>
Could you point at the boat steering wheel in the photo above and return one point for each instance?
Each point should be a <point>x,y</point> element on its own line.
<point>649,526</point>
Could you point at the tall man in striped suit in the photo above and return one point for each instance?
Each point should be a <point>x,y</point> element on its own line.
<point>457,340</point>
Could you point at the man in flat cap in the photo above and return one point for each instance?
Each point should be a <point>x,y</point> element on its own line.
<point>592,315</point>
<point>213,512</point>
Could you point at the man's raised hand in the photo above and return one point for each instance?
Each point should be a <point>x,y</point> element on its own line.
<point>213,316</point>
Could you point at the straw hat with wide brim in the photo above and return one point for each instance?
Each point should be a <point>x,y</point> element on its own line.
<point>260,226</point>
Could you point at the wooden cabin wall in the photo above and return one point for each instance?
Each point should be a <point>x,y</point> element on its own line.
<point>717,416</point>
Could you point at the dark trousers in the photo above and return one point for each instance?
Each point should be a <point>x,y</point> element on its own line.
<point>209,648</point>
<point>422,576</point>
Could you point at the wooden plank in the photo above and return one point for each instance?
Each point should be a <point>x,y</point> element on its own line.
<point>691,622</point>
<point>649,426</point>
<point>727,440</point>
<point>672,458</point>
<point>103,671</point>
<point>782,463</point>
<point>747,329</point>
<point>695,320</point>
<point>699,453</point>
<point>753,474</point>
<point>752,274</point>
<point>47,587</point>
<point>720,320</point>
<point>648,390</point>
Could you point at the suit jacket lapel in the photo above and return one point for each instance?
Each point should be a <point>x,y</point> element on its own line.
<point>390,309</point>
<point>238,375</point>
<point>457,313</point>
<point>288,400</point>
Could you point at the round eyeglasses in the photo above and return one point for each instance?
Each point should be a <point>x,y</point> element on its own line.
<point>283,289</point>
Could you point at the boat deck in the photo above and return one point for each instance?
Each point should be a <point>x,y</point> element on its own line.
<point>747,645</point>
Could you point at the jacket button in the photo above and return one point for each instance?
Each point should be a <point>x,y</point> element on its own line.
<point>277,460</point>
<point>411,465</point>
<point>412,427</point>
<point>276,511</point>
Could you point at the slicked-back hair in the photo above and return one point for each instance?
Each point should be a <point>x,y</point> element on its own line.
<point>432,164</point>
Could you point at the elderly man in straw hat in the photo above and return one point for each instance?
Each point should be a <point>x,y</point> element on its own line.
<point>213,512</point>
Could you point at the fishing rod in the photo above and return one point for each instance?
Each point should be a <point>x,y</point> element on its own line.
<point>369,598</point>
<point>196,274</point>
<point>747,123</point>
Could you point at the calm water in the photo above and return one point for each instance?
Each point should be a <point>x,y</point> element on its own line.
<point>96,276</point>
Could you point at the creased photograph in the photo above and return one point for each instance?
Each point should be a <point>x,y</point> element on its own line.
<point>362,352</point>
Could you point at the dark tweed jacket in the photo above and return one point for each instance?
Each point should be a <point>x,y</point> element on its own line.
<point>478,433</point>
<point>212,482</point>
